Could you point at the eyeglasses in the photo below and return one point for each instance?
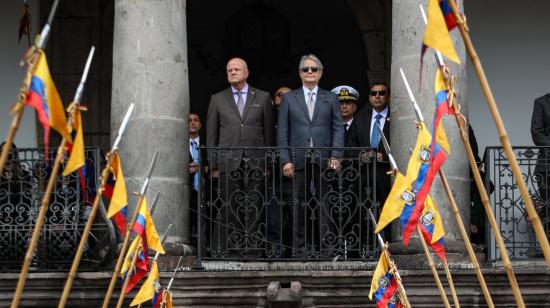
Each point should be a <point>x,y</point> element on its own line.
<point>278,94</point>
<point>375,93</point>
<point>308,68</point>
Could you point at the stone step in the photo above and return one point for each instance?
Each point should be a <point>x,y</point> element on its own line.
<point>319,288</point>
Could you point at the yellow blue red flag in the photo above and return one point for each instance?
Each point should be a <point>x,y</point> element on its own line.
<point>384,285</point>
<point>145,227</point>
<point>431,226</point>
<point>440,21</point>
<point>76,148</point>
<point>150,287</point>
<point>44,98</point>
<point>115,192</point>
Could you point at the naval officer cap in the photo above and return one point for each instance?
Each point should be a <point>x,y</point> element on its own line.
<point>346,94</point>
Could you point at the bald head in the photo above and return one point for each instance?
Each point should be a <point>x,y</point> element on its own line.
<point>237,73</point>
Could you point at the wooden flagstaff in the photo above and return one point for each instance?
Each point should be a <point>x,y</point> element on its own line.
<point>94,209</point>
<point>420,118</point>
<point>385,251</point>
<point>128,274</point>
<point>395,169</point>
<point>533,216</point>
<point>129,226</point>
<point>432,267</point>
<point>170,282</point>
<point>450,197</point>
<point>31,59</point>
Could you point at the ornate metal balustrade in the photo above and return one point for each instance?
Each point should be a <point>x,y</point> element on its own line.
<point>22,187</point>
<point>251,211</point>
<point>508,204</point>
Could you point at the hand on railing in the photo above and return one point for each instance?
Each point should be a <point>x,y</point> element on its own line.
<point>334,163</point>
<point>288,170</point>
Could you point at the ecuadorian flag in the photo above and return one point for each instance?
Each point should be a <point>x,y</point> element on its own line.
<point>44,98</point>
<point>115,192</point>
<point>384,285</point>
<point>137,271</point>
<point>440,21</point>
<point>431,225</point>
<point>150,287</point>
<point>145,227</point>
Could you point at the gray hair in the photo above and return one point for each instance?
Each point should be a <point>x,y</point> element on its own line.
<point>311,57</point>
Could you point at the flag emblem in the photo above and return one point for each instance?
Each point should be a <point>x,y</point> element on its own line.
<point>425,155</point>
<point>408,197</point>
<point>428,218</point>
<point>383,282</point>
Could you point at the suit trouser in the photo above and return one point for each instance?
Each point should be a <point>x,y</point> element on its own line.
<point>238,213</point>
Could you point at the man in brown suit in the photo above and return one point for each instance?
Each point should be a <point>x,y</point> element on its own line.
<point>239,116</point>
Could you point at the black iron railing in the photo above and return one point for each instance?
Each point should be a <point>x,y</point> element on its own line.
<point>508,204</point>
<point>249,210</point>
<point>22,187</point>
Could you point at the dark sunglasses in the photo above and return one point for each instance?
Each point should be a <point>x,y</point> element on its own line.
<point>381,93</point>
<point>308,68</point>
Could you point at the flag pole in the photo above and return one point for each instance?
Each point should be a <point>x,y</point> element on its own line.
<point>533,216</point>
<point>93,212</point>
<point>432,267</point>
<point>395,169</point>
<point>128,232</point>
<point>44,205</point>
<point>31,59</point>
<point>420,118</point>
<point>452,201</point>
<point>164,299</point>
<point>385,251</point>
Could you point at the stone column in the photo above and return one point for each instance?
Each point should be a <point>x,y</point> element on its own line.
<point>150,69</point>
<point>407,33</point>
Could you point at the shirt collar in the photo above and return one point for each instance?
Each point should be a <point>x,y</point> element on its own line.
<point>197,140</point>
<point>244,90</point>
<point>306,90</point>
<point>349,122</point>
<point>383,113</point>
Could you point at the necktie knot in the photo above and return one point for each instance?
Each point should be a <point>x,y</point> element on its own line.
<point>378,117</point>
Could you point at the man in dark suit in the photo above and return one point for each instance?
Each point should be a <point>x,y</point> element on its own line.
<point>309,117</point>
<point>540,132</point>
<point>364,133</point>
<point>194,176</point>
<point>239,116</point>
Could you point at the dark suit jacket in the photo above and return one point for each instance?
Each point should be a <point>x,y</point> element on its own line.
<point>295,129</point>
<point>540,131</point>
<point>226,128</point>
<point>359,136</point>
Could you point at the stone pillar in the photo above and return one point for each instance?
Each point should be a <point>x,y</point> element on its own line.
<point>150,69</point>
<point>407,33</point>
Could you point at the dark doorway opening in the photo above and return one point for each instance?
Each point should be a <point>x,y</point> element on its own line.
<point>272,36</point>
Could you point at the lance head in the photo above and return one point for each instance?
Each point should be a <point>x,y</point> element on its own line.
<point>386,145</point>
<point>80,89</point>
<point>46,30</point>
<point>411,96</point>
<point>154,203</point>
<point>164,237</point>
<point>123,127</point>
<point>151,166</point>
